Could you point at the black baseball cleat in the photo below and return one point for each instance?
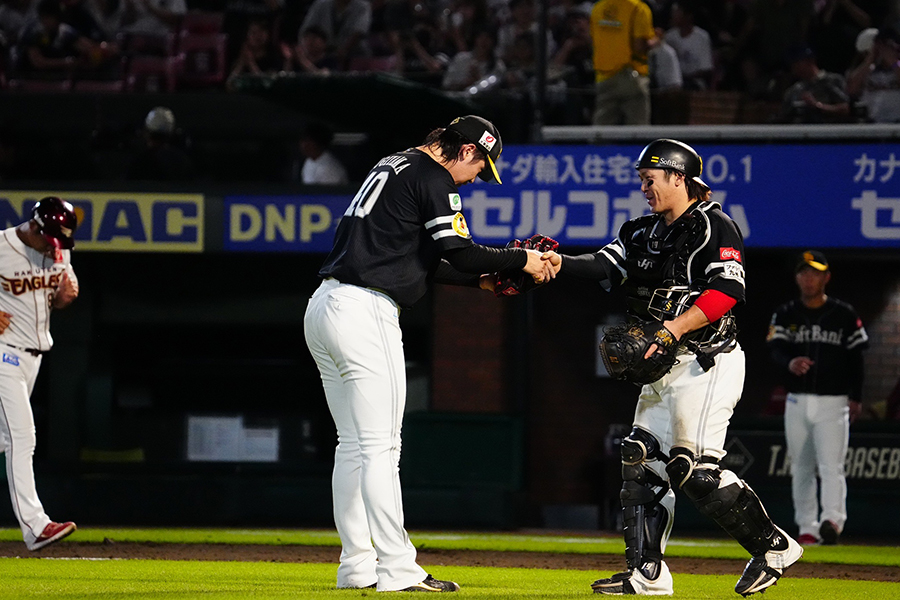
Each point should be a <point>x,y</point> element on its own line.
<point>829,533</point>
<point>430,584</point>
<point>764,571</point>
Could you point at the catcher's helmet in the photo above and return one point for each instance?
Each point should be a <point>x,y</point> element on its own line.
<point>57,221</point>
<point>672,154</point>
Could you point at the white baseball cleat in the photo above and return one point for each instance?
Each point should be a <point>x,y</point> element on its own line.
<point>635,583</point>
<point>764,571</point>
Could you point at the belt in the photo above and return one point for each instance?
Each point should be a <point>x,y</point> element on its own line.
<point>373,289</point>
<point>30,351</point>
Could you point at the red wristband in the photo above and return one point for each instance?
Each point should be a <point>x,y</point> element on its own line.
<point>714,304</point>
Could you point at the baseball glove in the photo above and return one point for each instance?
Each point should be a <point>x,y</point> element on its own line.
<point>513,282</point>
<point>623,348</point>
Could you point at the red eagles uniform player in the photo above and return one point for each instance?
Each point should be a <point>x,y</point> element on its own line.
<point>403,230</point>
<point>36,277</point>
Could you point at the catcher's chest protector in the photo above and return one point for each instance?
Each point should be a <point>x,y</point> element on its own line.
<point>656,256</point>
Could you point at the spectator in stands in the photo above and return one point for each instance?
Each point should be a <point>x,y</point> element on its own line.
<point>664,67</point>
<point>48,48</point>
<point>311,55</point>
<point>346,24</point>
<point>876,82</point>
<point>726,20</point>
<point>669,102</point>
<point>558,14</point>
<point>863,44</point>
<point>319,166</point>
<point>415,41</point>
<point>157,17</point>
<point>160,156</point>
<point>522,21</point>
<point>239,14</point>
<point>467,17</point>
<point>258,55</point>
<point>817,96</point>
<point>469,67</point>
<point>692,45</point>
<point>574,62</point>
<point>14,14</point>
<point>521,66</point>
<point>836,26</point>
<point>109,15</point>
<point>773,29</point>
<point>621,31</point>
<point>77,15</point>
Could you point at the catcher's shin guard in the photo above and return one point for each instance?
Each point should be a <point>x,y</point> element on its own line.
<point>647,520</point>
<point>648,504</point>
<point>726,499</point>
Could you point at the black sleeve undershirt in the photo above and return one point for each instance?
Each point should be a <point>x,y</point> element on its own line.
<point>587,266</point>
<point>464,266</point>
<point>482,259</point>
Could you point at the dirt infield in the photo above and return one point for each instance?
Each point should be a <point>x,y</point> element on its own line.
<point>528,560</point>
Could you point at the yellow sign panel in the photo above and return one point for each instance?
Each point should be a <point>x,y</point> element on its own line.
<point>121,221</point>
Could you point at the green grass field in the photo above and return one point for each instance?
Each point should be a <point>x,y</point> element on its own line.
<point>89,578</point>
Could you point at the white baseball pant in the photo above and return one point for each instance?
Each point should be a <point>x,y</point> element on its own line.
<point>354,335</point>
<point>690,408</point>
<point>18,371</point>
<point>817,430</point>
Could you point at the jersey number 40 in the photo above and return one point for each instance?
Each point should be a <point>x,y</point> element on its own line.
<point>367,195</point>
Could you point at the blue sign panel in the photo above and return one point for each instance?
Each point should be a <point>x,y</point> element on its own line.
<point>780,196</point>
<point>282,223</point>
<point>828,195</point>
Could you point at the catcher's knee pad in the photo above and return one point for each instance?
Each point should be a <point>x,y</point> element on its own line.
<point>697,479</point>
<point>637,449</point>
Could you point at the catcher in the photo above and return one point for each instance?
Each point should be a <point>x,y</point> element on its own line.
<point>681,271</point>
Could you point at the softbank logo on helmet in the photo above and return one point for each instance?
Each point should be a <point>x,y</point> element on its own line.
<point>665,162</point>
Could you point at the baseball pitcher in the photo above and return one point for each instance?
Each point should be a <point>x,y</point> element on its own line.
<point>403,230</point>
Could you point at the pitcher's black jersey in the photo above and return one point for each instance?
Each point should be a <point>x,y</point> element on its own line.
<point>406,213</point>
<point>832,335</point>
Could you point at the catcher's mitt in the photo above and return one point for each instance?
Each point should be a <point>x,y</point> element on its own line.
<point>513,281</point>
<point>623,348</point>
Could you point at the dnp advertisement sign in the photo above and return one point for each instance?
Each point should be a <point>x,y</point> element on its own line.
<point>122,221</point>
<point>828,195</point>
<point>282,223</point>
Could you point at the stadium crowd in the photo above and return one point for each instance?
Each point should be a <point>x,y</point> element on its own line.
<point>826,60</point>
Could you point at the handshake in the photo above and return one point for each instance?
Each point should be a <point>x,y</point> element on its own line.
<point>542,266</point>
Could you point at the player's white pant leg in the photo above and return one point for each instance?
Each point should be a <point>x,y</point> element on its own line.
<point>359,331</point>
<point>831,432</point>
<point>18,371</point>
<point>698,404</point>
<point>358,558</point>
<point>802,453</point>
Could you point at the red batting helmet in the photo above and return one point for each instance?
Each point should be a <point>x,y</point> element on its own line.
<point>57,222</point>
